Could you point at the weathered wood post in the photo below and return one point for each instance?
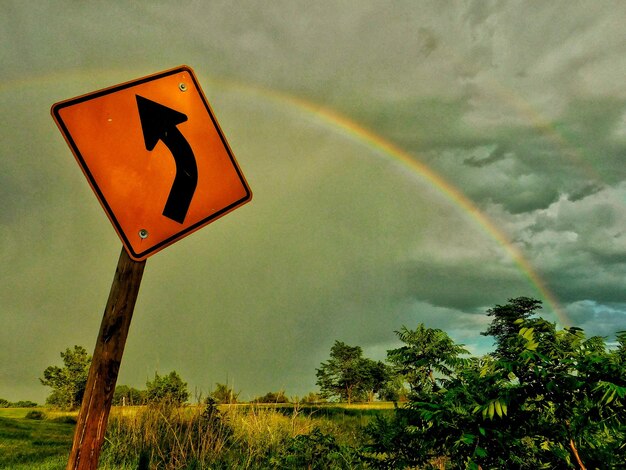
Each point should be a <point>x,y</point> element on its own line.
<point>105,364</point>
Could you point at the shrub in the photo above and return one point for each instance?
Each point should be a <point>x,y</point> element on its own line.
<point>65,419</point>
<point>317,450</point>
<point>35,414</point>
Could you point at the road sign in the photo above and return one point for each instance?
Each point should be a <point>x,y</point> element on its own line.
<point>155,156</point>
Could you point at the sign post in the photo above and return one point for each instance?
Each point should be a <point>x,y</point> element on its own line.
<point>105,364</point>
<point>160,166</point>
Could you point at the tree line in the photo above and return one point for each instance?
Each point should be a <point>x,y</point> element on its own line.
<point>543,398</point>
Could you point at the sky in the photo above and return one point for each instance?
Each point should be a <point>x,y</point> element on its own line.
<point>411,162</point>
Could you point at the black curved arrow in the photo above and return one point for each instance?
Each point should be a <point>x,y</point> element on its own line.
<point>159,122</point>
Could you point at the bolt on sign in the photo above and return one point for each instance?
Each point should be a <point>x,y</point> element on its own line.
<point>155,156</point>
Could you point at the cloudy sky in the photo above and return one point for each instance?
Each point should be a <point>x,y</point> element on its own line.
<point>410,162</point>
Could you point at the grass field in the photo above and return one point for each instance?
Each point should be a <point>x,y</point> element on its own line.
<point>39,444</point>
<point>234,436</point>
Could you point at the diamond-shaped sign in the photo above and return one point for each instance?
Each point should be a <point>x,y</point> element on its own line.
<point>155,156</point>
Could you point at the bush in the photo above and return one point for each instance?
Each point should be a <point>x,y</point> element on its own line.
<point>35,414</point>
<point>66,419</point>
<point>317,450</point>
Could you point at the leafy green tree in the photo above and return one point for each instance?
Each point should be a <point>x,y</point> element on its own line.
<point>505,324</point>
<point>350,376</point>
<point>68,382</point>
<point>428,362</point>
<point>428,357</point>
<point>128,396</point>
<point>545,398</point>
<point>4,403</point>
<point>224,394</point>
<point>168,388</point>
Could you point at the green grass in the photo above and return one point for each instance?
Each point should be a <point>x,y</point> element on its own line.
<point>33,444</point>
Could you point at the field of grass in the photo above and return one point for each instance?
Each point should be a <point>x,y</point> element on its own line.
<point>225,436</point>
<point>41,444</point>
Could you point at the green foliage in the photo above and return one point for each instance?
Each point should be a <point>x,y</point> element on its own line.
<point>68,382</point>
<point>18,404</point>
<point>35,414</point>
<point>427,351</point>
<point>543,399</point>
<point>224,394</point>
<point>128,396</point>
<point>168,388</point>
<point>312,398</point>
<point>272,397</point>
<point>23,404</point>
<point>349,376</point>
<point>316,450</point>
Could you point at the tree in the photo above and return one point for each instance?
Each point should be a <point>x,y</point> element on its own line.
<point>426,351</point>
<point>169,388</point>
<point>545,398</point>
<point>350,376</point>
<point>68,382</point>
<point>128,396</point>
<point>272,397</point>
<point>312,398</point>
<point>377,380</point>
<point>224,394</point>
<point>505,324</point>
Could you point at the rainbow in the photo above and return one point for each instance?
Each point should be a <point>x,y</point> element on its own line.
<point>367,137</point>
<point>384,147</point>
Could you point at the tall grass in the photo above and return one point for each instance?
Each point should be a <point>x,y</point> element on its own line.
<point>168,437</point>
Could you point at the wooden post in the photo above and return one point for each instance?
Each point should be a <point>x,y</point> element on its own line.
<point>105,364</point>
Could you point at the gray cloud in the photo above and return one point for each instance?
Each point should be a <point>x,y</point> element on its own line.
<point>521,107</point>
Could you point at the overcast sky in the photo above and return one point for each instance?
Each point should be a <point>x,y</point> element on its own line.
<point>518,106</point>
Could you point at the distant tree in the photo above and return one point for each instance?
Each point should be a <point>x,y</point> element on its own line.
<point>350,376</point>
<point>312,398</point>
<point>168,388</point>
<point>378,380</point>
<point>272,397</point>
<point>4,403</point>
<point>128,396</point>
<point>223,394</point>
<point>68,382</point>
<point>23,404</point>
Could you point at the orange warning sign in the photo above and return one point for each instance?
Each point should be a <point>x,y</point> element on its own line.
<point>155,157</point>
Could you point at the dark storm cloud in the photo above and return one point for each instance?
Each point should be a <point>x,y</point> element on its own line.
<point>519,106</point>
<point>440,283</point>
<point>598,319</point>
